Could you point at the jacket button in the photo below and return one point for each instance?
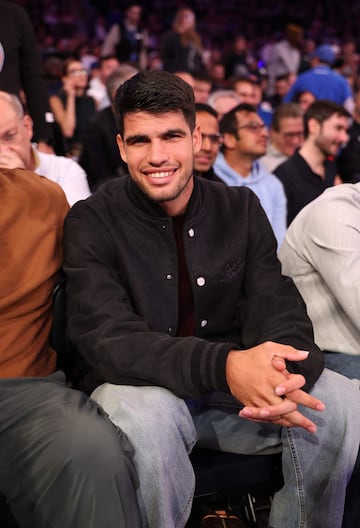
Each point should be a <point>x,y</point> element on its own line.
<point>191,233</point>
<point>170,330</point>
<point>203,323</point>
<point>169,276</point>
<point>200,281</point>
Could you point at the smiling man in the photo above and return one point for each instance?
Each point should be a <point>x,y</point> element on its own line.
<point>175,295</point>
<point>311,170</point>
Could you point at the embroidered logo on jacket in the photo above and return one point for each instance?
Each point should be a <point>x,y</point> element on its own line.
<point>231,271</point>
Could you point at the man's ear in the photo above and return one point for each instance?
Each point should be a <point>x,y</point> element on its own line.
<point>197,140</point>
<point>28,125</point>
<point>313,126</point>
<point>229,141</point>
<point>120,144</point>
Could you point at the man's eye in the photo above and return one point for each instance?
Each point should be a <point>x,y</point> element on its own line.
<point>137,141</point>
<point>10,136</point>
<point>172,136</point>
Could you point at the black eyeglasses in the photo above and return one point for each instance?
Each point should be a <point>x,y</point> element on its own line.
<point>253,127</point>
<point>215,139</point>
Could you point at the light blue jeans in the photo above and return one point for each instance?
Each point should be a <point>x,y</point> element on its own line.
<point>316,467</point>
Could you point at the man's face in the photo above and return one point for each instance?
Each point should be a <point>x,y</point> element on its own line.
<point>108,66</point>
<point>201,90</point>
<point>282,87</point>
<point>290,136</point>
<point>211,140</point>
<point>245,91</point>
<point>305,100</point>
<point>330,135</point>
<point>252,135</point>
<point>133,14</point>
<point>159,151</point>
<point>15,136</point>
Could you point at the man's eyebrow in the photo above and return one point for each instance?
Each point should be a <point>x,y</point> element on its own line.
<point>174,131</point>
<point>143,137</point>
<point>136,137</point>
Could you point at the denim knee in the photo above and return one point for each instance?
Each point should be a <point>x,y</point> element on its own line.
<point>341,397</point>
<point>146,413</point>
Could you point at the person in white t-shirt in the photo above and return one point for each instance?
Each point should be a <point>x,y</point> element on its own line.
<point>17,151</point>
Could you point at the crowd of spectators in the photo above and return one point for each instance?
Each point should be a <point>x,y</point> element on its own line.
<point>265,45</point>
<point>81,25</point>
<point>241,53</point>
<point>258,20</point>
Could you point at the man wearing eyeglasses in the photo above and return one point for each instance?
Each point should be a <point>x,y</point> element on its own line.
<point>244,142</point>
<point>286,135</point>
<point>211,139</point>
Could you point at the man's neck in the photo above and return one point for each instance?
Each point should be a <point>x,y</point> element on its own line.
<point>314,157</point>
<point>239,163</point>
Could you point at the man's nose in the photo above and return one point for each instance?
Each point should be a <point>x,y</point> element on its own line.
<point>157,152</point>
<point>206,143</point>
<point>298,140</point>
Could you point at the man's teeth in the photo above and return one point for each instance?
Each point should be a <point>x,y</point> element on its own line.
<point>163,174</point>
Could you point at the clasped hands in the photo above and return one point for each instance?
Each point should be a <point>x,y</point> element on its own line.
<point>258,378</point>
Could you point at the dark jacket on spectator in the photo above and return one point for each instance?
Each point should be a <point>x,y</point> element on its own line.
<point>121,264</point>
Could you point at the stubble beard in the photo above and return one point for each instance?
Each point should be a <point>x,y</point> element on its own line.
<point>173,194</point>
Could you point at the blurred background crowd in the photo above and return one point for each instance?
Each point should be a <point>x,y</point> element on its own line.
<point>80,26</point>
<point>255,49</point>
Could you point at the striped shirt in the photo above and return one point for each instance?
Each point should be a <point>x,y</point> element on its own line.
<point>321,252</point>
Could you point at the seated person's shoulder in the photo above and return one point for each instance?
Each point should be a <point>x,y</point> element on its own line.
<point>22,181</point>
<point>57,163</point>
<point>25,193</point>
<point>318,222</point>
<point>337,205</point>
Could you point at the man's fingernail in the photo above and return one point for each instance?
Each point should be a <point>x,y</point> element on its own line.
<point>312,428</point>
<point>305,352</point>
<point>280,390</point>
<point>246,413</point>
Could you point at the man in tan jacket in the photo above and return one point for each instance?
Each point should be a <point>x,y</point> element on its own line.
<point>49,432</point>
